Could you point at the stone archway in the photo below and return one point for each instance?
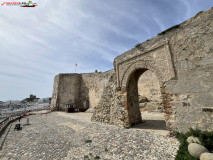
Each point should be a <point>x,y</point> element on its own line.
<point>133,109</point>
<point>129,69</point>
<point>132,104</point>
<point>129,89</point>
<point>120,102</point>
<point>129,93</point>
<point>185,86</point>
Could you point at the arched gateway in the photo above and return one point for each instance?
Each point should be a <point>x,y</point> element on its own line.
<point>181,58</point>
<point>119,104</point>
<point>129,67</point>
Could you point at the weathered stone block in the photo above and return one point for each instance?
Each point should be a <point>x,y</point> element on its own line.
<point>192,139</point>
<point>206,156</point>
<point>196,149</point>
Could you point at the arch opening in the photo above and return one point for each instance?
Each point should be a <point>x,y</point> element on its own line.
<point>134,114</point>
<point>144,100</point>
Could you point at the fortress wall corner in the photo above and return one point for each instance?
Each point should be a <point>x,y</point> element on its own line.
<point>83,90</point>
<point>92,86</point>
<point>66,90</point>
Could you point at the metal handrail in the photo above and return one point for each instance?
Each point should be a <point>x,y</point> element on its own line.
<point>8,119</point>
<point>4,120</point>
<point>15,115</point>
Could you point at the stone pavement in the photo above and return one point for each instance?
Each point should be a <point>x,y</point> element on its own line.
<point>72,136</point>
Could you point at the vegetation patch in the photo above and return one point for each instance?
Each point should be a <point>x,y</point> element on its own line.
<point>169,29</point>
<point>126,127</point>
<point>97,157</point>
<point>137,45</point>
<point>206,139</point>
<point>90,154</point>
<point>88,141</point>
<point>199,13</point>
<point>86,157</point>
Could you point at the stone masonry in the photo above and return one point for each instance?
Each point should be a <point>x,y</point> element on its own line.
<point>83,90</point>
<point>182,60</point>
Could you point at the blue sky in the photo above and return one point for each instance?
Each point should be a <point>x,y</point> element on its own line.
<point>38,43</point>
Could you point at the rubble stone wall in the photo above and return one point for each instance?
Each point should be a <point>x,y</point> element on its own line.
<point>93,85</point>
<point>108,110</point>
<point>182,60</point>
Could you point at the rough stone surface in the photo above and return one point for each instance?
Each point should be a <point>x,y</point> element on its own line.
<point>150,98</point>
<point>102,111</point>
<point>59,135</point>
<point>143,99</point>
<point>107,110</point>
<point>196,149</point>
<point>80,88</point>
<point>83,90</point>
<point>181,58</point>
<point>192,139</point>
<point>151,107</point>
<point>93,85</point>
<point>206,156</point>
<point>63,93</point>
<point>149,87</point>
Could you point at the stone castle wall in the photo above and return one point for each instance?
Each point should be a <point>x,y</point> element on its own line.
<point>66,90</point>
<point>181,58</point>
<point>93,85</point>
<point>78,88</point>
<point>83,90</point>
<point>149,87</point>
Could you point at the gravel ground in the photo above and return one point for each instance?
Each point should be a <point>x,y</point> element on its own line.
<point>72,136</point>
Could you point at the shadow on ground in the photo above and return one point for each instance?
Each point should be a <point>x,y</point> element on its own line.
<point>151,124</point>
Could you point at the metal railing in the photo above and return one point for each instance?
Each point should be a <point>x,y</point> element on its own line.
<point>5,121</point>
<point>17,113</point>
<point>7,117</point>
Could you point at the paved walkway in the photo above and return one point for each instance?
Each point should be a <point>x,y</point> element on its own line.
<point>66,136</point>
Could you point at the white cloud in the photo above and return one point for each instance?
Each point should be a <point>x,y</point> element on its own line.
<point>38,43</point>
